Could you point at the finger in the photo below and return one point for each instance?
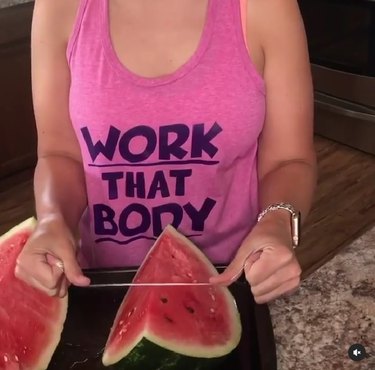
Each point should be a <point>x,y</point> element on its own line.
<point>283,274</point>
<point>235,268</point>
<point>286,288</point>
<point>57,267</point>
<point>54,261</point>
<point>270,262</point>
<point>63,287</point>
<point>36,266</point>
<point>50,292</point>
<point>28,279</point>
<point>252,259</point>
<point>36,284</point>
<point>72,269</point>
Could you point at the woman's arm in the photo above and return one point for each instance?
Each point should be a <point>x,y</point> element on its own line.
<point>287,164</point>
<point>59,180</point>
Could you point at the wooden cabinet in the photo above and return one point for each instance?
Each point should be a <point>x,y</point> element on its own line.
<point>17,125</point>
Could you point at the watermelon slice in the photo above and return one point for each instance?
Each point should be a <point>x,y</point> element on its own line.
<point>30,321</point>
<point>183,327</point>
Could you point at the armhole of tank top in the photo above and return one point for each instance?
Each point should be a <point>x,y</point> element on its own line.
<point>240,10</point>
<point>76,28</point>
<point>243,4</point>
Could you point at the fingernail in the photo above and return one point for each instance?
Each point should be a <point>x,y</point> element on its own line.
<point>217,281</point>
<point>84,280</point>
<point>62,294</point>
<point>79,280</point>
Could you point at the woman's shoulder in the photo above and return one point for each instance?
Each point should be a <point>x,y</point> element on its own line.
<point>56,17</point>
<point>273,19</point>
<point>274,27</point>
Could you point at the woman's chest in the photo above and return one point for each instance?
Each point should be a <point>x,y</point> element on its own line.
<point>201,123</point>
<point>155,38</point>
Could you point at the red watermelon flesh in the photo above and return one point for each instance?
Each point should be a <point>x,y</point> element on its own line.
<point>199,321</point>
<point>30,321</point>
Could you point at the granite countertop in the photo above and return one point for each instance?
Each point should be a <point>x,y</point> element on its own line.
<point>8,3</point>
<point>334,308</point>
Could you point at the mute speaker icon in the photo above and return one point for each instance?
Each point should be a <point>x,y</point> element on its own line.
<point>357,352</point>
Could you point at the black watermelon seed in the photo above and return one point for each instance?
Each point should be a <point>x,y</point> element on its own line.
<point>190,309</point>
<point>167,318</point>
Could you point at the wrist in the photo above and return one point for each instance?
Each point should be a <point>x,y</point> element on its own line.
<point>51,218</point>
<point>53,222</point>
<point>279,217</point>
<point>286,216</point>
<point>57,218</point>
<point>56,224</point>
<point>277,224</point>
<point>275,229</point>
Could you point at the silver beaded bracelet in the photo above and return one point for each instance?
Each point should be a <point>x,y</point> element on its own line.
<point>295,219</point>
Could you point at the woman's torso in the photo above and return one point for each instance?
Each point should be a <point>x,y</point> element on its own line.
<point>180,148</point>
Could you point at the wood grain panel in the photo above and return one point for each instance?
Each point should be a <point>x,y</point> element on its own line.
<point>344,206</point>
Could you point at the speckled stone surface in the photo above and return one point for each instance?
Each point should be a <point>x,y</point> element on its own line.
<point>334,308</point>
<point>8,3</point>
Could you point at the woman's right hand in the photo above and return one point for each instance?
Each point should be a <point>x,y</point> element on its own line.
<point>38,263</point>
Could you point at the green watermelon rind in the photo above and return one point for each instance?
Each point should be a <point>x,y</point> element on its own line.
<point>27,225</point>
<point>210,352</point>
<point>149,356</point>
<point>46,354</point>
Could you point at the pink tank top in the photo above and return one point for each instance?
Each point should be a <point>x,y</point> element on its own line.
<point>179,149</point>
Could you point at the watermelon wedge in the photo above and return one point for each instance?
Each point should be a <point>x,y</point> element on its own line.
<point>183,327</point>
<point>30,321</point>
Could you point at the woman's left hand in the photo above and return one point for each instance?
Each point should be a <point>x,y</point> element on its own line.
<point>268,260</point>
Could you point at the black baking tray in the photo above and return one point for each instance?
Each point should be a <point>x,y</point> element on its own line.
<point>92,310</point>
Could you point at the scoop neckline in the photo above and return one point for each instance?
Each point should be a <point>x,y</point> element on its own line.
<point>137,79</point>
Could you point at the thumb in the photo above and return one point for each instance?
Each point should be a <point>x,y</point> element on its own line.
<point>71,268</point>
<point>252,259</point>
<point>233,271</point>
<point>235,268</point>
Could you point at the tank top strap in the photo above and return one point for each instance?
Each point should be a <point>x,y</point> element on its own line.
<point>230,23</point>
<point>87,18</point>
<point>243,4</point>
